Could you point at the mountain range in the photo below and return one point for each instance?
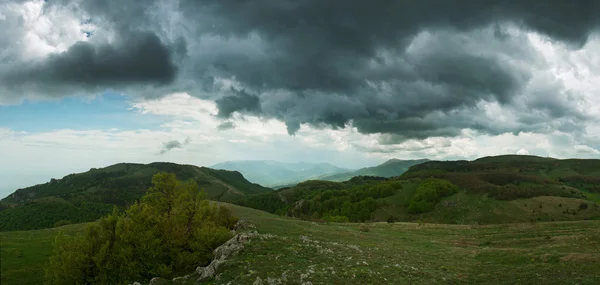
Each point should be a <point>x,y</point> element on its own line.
<point>280,174</point>
<point>273,173</point>
<point>489,190</point>
<point>496,189</point>
<point>390,168</point>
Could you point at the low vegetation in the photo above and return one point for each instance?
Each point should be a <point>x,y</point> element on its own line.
<point>352,201</point>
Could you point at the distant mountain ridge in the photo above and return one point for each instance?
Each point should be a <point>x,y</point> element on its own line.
<point>489,190</point>
<point>390,168</point>
<point>89,195</point>
<point>271,173</point>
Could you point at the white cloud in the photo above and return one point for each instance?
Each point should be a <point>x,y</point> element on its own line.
<point>584,149</point>
<point>523,152</point>
<point>44,31</point>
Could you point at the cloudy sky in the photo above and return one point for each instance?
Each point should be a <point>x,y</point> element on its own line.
<point>87,83</point>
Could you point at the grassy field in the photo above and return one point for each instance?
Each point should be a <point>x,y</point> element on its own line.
<point>24,254</point>
<point>399,253</point>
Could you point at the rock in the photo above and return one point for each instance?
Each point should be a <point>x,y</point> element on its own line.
<point>154,280</point>
<point>181,279</point>
<point>258,281</point>
<point>273,281</point>
<point>136,283</point>
<point>243,224</point>
<point>230,248</point>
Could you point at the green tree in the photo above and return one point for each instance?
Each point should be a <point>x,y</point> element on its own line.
<point>173,228</point>
<point>429,193</point>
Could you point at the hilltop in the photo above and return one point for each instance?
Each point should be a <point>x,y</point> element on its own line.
<point>390,168</point>
<point>508,177</point>
<point>90,195</point>
<point>273,173</point>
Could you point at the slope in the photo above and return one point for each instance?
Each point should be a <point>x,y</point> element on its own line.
<point>390,168</point>
<point>380,253</point>
<point>271,173</point>
<point>509,177</point>
<point>87,196</point>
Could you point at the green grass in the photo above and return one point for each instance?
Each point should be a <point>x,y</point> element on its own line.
<point>24,254</point>
<point>399,253</point>
<point>413,253</point>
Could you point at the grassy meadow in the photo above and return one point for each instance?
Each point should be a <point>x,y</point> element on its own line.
<point>24,253</point>
<point>377,253</point>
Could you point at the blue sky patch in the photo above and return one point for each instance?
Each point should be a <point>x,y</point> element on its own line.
<point>103,112</point>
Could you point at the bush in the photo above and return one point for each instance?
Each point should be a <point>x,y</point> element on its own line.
<point>336,219</point>
<point>174,228</point>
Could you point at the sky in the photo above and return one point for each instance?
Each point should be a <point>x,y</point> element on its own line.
<point>87,83</point>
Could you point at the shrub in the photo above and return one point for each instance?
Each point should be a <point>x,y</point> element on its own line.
<point>174,228</point>
<point>336,219</point>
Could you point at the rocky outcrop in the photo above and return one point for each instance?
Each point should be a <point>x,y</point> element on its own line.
<point>230,248</point>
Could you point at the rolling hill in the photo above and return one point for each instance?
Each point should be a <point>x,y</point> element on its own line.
<point>390,168</point>
<point>517,176</point>
<point>87,196</point>
<point>273,173</point>
<point>491,190</point>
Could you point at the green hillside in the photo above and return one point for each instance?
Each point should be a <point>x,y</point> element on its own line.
<point>509,177</point>
<point>491,190</point>
<point>390,168</point>
<point>272,173</point>
<point>380,253</point>
<point>90,195</point>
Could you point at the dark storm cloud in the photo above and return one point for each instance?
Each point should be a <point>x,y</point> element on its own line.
<point>140,58</point>
<point>365,52</point>
<point>413,69</point>
<point>238,101</point>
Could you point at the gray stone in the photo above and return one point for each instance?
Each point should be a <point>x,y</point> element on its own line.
<point>258,281</point>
